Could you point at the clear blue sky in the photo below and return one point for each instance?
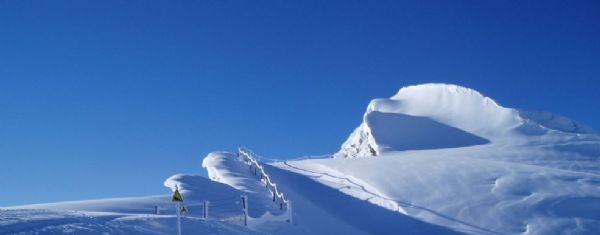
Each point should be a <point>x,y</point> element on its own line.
<point>108,98</point>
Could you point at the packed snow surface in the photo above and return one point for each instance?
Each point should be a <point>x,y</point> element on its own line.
<point>432,159</point>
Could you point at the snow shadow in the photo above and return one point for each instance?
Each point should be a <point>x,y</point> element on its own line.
<point>396,132</point>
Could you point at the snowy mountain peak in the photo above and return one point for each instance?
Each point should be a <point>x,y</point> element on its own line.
<point>433,116</point>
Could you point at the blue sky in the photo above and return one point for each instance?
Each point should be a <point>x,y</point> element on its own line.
<point>108,98</point>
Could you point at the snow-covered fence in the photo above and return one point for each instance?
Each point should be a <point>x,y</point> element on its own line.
<point>234,209</point>
<point>249,158</point>
<point>263,159</point>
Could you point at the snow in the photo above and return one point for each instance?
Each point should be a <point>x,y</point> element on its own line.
<point>555,122</point>
<point>450,156</point>
<point>222,167</point>
<point>467,189</point>
<point>453,105</point>
<point>135,215</point>
<point>394,131</point>
<point>35,221</point>
<point>448,161</point>
<point>433,116</point>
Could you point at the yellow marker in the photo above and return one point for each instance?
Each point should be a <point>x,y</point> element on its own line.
<point>177,196</point>
<point>183,209</point>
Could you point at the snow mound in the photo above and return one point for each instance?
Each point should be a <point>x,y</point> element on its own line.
<point>228,169</point>
<point>225,168</point>
<point>433,116</point>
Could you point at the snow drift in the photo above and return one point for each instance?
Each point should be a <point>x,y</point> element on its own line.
<point>433,116</point>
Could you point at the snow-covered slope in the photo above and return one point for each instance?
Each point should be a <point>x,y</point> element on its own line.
<point>318,209</point>
<point>450,156</point>
<point>476,190</point>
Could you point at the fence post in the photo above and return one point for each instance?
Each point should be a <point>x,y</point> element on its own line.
<point>289,211</point>
<point>206,209</point>
<point>245,209</point>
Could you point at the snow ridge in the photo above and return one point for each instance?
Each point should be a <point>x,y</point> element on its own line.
<point>434,116</point>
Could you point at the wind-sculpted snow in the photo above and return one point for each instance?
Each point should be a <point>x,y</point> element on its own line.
<point>418,116</point>
<point>453,105</point>
<point>198,188</point>
<point>225,168</point>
